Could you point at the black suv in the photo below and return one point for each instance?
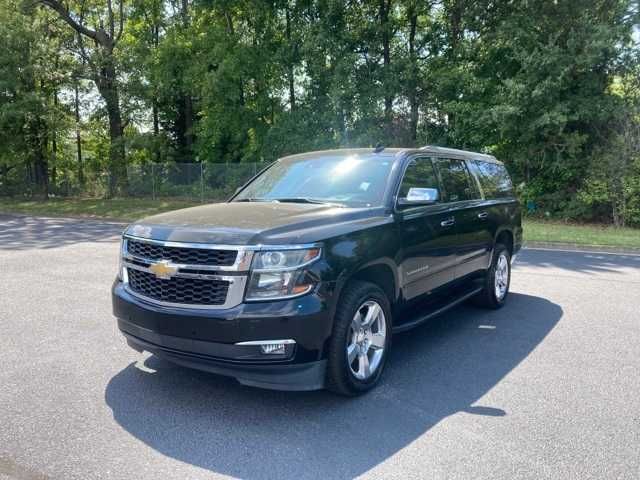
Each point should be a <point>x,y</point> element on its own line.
<point>300,279</point>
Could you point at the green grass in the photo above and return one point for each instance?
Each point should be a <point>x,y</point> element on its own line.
<point>591,235</point>
<point>130,209</point>
<point>125,209</point>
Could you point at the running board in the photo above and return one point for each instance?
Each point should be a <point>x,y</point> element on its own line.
<point>439,310</point>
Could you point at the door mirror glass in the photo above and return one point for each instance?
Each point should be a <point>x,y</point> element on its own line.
<point>420,196</point>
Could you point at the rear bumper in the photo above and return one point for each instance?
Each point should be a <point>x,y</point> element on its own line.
<point>206,339</point>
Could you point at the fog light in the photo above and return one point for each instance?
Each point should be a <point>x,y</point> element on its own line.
<point>273,349</point>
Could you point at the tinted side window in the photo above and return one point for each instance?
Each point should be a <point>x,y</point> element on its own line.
<point>456,180</point>
<point>419,174</point>
<point>494,179</point>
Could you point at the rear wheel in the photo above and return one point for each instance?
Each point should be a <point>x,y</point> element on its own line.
<point>497,280</point>
<point>360,340</point>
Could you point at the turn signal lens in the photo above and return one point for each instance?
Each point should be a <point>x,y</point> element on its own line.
<point>266,285</point>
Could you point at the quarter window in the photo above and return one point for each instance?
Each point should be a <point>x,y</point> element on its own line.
<point>494,179</point>
<point>456,180</point>
<point>419,174</point>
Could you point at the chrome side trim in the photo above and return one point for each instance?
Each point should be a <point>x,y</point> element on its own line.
<point>287,341</point>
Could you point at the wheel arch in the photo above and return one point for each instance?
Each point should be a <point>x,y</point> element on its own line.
<point>506,237</point>
<point>382,272</point>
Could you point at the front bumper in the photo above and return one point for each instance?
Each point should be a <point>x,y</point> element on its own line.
<point>206,339</point>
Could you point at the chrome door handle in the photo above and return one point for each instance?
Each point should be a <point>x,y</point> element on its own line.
<point>448,222</point>
<point>483,215</point>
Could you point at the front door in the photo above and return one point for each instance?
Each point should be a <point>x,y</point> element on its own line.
<point>427,233</point>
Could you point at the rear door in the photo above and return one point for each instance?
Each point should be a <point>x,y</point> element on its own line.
<point>427,233</point>
<point>499,208</point>
<point>462,194</point>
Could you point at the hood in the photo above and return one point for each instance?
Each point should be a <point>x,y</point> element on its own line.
<point>256,223</point>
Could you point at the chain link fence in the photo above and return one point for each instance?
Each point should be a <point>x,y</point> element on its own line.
<point>193,181</point>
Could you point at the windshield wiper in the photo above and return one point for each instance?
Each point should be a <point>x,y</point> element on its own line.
<point>252,200</point>
<point>306,200</point>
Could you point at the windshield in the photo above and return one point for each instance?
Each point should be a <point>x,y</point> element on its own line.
<point>346,179</point>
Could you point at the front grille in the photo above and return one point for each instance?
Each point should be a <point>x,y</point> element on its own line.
<point>191,291</point>
<point>191,256</point>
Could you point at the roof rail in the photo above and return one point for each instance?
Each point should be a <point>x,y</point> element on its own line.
<point>455,151</point>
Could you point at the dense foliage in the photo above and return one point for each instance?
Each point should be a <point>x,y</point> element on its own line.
<point>550,87</point>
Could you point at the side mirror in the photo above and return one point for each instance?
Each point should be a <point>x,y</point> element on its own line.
<point>420,196</point>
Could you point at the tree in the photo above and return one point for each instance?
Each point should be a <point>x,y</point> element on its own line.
<point>535,82</point>
<point>101,59</point>
<point>28,84</point>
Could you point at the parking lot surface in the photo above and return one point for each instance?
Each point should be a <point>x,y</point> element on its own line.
<point>547,387</point>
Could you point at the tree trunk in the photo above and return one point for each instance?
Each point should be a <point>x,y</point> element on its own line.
<point>385,7</point>
<point>185,131</point>
<point>290,72</point>
<point>154,102</point>
<point>78,135</point>
<point>617,202</point>
<point>455,35</point>
<point>54,144</point>
<point>156,129</point>
<point>184,11</point>
<point>40,163</point>
<point>39,140</point>
<point>455,26</point>
<point>188,126</point>
<point>413,78</point>
<point>107,86</point>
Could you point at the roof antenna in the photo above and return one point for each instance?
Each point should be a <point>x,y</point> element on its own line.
<point>379,147</point>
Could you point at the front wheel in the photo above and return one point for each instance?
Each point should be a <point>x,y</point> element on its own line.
<point>497,280</point>
<point>360,341</point>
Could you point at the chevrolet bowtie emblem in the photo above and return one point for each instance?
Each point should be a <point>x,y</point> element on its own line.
<point>163,270</point>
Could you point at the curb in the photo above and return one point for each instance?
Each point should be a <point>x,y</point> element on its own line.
<point>581,248</point>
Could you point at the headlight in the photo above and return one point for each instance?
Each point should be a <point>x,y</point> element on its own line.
<point>281,274</point>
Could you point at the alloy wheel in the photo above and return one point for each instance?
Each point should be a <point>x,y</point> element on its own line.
<point>366,340</point>
<point>501,276</point>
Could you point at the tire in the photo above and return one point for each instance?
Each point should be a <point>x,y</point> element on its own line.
<point>490,297</point>
<point>356,302</point>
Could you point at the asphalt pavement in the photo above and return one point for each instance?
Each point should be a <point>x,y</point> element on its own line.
<point>547,387</point>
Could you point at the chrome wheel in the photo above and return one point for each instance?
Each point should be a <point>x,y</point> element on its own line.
<point>501,276</point>
<point>366,340</point>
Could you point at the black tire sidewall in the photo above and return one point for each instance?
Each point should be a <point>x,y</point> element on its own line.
<point>340,376</point>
